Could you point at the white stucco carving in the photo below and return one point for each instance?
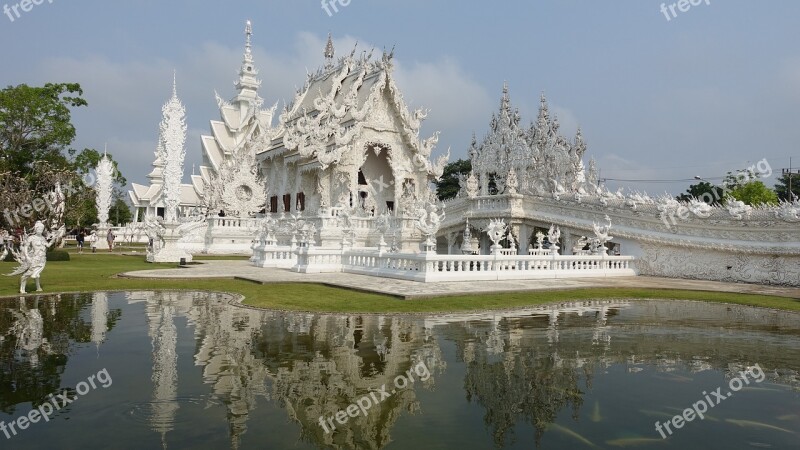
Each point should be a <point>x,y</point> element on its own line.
<point>104,189</point>
<point>173,147</point>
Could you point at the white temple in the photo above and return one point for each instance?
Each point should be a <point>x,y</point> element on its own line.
<point>341,180</point>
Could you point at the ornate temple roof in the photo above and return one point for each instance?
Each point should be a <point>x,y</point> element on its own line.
<point>544,159</point>
<point>336,103</point>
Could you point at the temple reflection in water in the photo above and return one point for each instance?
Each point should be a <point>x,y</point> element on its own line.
<point>520,367</point>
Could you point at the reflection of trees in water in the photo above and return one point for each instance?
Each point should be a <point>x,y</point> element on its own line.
<point>36,337</point>
<point>338,360</point>
<point>531,387</point>
<point>529,369</point>
<point>521,367</point>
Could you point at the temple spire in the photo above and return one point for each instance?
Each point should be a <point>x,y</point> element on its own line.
<point>174,83</point>
<point>329,52</point>
<point>248,46</point>
<point>248,84</point>
<point>505,101</point>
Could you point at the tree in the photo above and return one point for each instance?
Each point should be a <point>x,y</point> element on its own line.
<point>705,191</point>
<point>35,128</point>
<point>754,193</point>
<point>120,212</point>
<point>745,186</point>
<point>782,187</point>
<point>35,125</point>
<point>83,211</point>
<point>449,185</point>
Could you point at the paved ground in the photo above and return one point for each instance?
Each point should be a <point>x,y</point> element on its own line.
<point>412,289</point>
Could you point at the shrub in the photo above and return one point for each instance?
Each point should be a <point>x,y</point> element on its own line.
<point>57,255</point>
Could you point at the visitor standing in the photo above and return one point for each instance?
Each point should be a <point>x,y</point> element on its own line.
<point>110,239</point>
<point>80,238</point>
<point>93,241</point>
<point>5,242</point>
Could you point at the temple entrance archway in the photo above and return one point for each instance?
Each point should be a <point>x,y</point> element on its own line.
<point>376,180</point>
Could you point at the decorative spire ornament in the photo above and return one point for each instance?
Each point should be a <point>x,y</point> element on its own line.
<point>173,140</point>
<point>104,188</point>
<point>329,52</point>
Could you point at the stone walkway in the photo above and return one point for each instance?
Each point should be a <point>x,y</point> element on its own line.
<point>410,289</point>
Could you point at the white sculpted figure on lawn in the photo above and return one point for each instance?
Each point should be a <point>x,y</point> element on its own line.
<point>32,255</point>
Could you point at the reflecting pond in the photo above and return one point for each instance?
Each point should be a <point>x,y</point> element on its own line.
<point>191,370</point>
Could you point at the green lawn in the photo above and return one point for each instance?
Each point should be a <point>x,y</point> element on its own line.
<point>96,272</point>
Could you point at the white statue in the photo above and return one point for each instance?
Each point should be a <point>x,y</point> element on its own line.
<point>511,182</point>
<point>496,230</point>
<point>512,243</point>
<point>789,211</point>
<point>267,230</point>
<point>700,208</point>
<point>155,231</point>
<point>466,241</point>
<point>738,209</point>
<point>383,223</point>
<point>558,190</point>
<point>539,240</point>
<point>578,248</point>
<point>601,233</point>
<point>472,187</point>
<point>429,223</point>
<point>32,255</point>
<point>553,235</point>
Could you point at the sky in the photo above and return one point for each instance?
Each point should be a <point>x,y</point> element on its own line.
<point>660,97</point>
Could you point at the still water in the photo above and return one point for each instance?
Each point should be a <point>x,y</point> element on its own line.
<point>191,371</point>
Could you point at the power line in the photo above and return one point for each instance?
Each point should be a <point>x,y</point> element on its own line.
<point>658,181</point>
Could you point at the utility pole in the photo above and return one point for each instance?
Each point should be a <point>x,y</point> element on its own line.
<point>789,173</point>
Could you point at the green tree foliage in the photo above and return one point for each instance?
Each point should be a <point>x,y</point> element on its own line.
<point>35,125</point>
<point>710,193</point>
<point>35,133</point>
<point>745,186</point>
<point>754,193</point>
<point>120,212</point>
<point>782,187</point>
<point>448,186</point>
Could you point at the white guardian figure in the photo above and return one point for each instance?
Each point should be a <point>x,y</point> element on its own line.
<point>32,255</point>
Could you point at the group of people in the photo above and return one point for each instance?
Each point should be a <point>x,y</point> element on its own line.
<point>83,235</point>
